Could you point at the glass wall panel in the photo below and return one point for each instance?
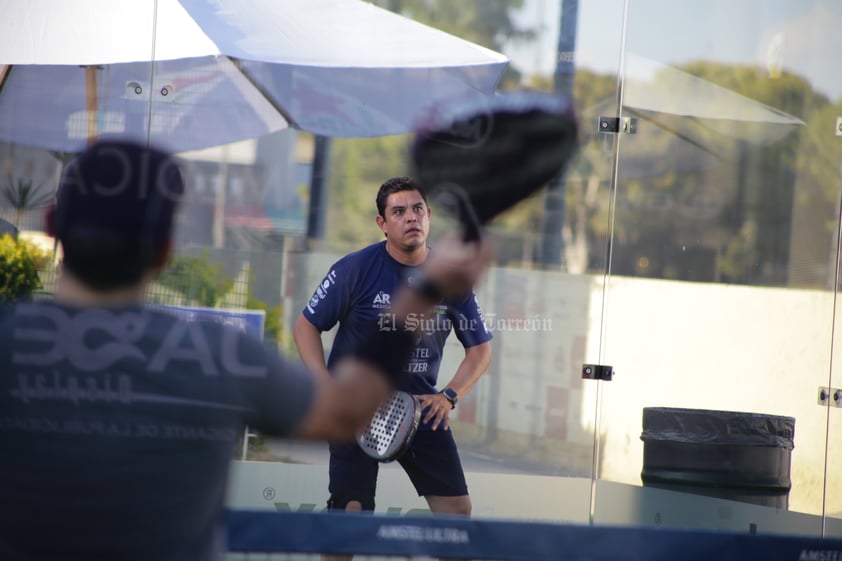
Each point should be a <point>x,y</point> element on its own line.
<point>267,217</point>
<point>719,307</point>
<point>695,251</point>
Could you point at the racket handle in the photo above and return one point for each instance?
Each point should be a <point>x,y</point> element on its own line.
<point>454,196</point>
<point>473,230</point>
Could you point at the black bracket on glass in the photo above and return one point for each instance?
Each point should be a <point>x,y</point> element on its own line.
<point>616,125</point>
<point>597,372</point>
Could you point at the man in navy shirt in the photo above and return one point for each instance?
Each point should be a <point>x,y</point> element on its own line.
<point>356,293</point>
<point>118,422</point>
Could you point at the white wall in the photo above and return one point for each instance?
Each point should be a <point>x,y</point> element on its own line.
<point>719,347</point>
<point>300,487</point>
<point>303,487</point>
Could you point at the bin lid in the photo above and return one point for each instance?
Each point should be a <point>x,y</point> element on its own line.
<point>717,427</point>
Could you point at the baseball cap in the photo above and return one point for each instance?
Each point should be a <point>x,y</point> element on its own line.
<point>121,191</point>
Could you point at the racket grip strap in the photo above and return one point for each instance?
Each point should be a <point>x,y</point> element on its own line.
<point>389,350</point>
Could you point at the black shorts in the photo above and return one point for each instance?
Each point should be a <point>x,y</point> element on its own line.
<point>431,462</point>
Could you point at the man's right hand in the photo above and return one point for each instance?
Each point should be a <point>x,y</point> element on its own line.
<point>455,267</point>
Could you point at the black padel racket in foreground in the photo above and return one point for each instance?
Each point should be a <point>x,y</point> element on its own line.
<point>487,156</point>
<point>392,427</point>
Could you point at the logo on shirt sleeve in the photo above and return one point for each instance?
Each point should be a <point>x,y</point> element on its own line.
<point>321,291</point>
<point>481,315</point>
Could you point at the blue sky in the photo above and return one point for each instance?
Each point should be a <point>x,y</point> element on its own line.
<point>801,36</point>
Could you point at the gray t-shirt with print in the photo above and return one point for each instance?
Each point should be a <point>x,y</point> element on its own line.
<point>118,426</point>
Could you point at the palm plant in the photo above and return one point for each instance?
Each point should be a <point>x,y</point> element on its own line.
<point>23,194</point>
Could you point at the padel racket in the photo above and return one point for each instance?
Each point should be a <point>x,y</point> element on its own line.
<point>485,157</point>
<point>390,431</point>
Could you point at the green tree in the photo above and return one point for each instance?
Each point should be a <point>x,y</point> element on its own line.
<point>695,193</point>
<point>489,23</point>
<point>196,278</point>
<point>519,229</point>
<point>485,22</point>
<point>746,169</point>
<point>273,325</point>
<point>359,166</point>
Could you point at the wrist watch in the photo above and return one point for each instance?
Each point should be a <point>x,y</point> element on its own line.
<point>427,288</point>
<point>451,396</point>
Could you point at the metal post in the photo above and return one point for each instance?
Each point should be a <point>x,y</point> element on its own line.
<point>552,244</point>
<point>318,189</point>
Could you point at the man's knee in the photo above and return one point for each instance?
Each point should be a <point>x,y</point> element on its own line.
<point>450,505</point>
<point>354,502</point>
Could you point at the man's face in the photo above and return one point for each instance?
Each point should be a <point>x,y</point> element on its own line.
<point>407,220</point>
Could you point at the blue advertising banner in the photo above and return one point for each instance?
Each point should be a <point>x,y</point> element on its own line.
<point>462,538</point>
<point>250,321</point>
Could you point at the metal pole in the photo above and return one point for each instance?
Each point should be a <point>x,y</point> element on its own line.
<point>552,244</point>
<point>318,189</point>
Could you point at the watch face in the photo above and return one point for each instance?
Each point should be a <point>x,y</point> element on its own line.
<point>450,394</point>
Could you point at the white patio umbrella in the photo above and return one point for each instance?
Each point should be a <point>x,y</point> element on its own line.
<point>198,73</point>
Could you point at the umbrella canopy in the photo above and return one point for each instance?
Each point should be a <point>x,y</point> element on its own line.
<point>191,74</point>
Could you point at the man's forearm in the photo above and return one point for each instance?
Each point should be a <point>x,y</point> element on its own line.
<point>473,366</point>
<point>308,341</point>
<point>362,379</point>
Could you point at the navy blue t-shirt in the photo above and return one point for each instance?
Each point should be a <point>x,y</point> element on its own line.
<point>118,426</point>
<point>357,293</point>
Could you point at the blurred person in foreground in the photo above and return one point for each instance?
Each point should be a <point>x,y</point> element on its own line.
<point>118,422</point>
<point>356,293</point>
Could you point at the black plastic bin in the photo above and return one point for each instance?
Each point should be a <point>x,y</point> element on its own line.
<point>731,455</point>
